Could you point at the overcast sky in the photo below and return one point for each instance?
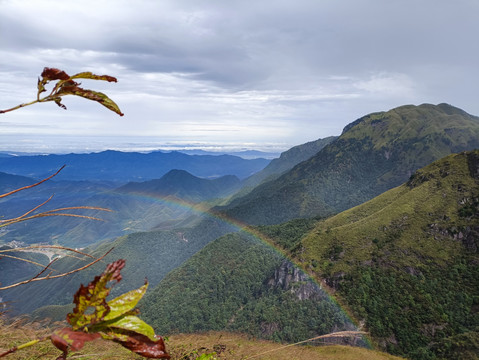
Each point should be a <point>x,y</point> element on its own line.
<point>263,74</point>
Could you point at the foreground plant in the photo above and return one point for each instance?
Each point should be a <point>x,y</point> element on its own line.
<point>94,317</point>
<point>66,85</point>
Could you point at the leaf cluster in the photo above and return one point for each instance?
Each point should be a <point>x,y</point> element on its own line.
<point>94,317</point>
<point>115,320</point>
<point>66,85</point>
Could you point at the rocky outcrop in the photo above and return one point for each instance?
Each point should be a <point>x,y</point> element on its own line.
<point>289,278</point>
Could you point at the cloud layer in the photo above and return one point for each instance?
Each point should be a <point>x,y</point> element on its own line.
<point>236,72</point>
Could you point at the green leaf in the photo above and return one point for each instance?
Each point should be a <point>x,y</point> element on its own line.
<point>91,306</point>
<point>73,89</point>
<point>130,323</point>
<point>89,75</point>
<point>41,87</point>
<point>125,303</point>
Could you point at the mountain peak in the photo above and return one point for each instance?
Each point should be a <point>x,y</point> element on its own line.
<point>373,154</point>
<point>176,174</point>
<point>408,113</point>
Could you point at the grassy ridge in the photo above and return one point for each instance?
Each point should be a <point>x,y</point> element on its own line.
<point>183,346</point>
<point>407,262</point>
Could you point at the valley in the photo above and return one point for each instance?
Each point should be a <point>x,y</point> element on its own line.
<point>374,230</point>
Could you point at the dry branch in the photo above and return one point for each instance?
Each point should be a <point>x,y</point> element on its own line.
<point>29,215</point>
<point>326,336</point>
<point>48,277</point>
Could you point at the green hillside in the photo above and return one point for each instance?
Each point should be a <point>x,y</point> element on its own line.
<point>148,255</point>
<point>373,154</point>
<point>226,345</point>
<point>237,283</point>
<point>407,263</point>
<point>285,162</point>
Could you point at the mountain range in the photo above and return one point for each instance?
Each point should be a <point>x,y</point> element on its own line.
<point>116,166</point>
<point>405,264</point>
<point>373,154</point>
<point>385,218</point>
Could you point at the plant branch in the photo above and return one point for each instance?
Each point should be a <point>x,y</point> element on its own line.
<point>26,260</point>
<point>19,347</point>
<point>20,106</point>
<point>57,247</point>
<point>335,334</point>
<point>31,186</point>
<point>56,276</point>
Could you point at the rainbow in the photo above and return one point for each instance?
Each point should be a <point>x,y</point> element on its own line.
<point>205,211</point>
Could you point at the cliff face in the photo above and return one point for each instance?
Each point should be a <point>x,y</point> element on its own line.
<point>288,277</point>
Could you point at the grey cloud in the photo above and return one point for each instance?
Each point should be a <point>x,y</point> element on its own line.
<point>315,62</point>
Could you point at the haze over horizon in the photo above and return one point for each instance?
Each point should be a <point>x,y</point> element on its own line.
<point>229,76</point>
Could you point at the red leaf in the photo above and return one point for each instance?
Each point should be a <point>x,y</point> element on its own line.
<point>65,339</point>
<point>144,346</point>
<point>93,297</point>
<point>54,74</point>
<point>114,269</point>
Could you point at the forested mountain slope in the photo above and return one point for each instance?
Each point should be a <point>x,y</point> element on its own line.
<point>286,161</point>
<point>407,262</point>
<point>238,283</point>
<point>149,255</point>
<point>373,154</point>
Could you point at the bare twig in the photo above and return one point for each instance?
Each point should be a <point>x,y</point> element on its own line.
<point>28,344</point>
<point>56,247</point>
<point>54,213</point>
<point>24,260</point>
<point>331,335</point>
<point>31,186</point>
<point>48,277</point>
<point>46,268</point>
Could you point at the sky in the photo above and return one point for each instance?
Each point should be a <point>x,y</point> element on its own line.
<point>236,74</point>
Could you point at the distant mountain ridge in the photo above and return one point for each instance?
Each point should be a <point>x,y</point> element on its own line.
<point>373,154</point>
<point>184,185</point>
<point>136,206</point>
<point>122,167</point>
<point>287,160</point>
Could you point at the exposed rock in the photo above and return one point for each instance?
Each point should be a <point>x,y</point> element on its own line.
<point>467,235</point>
<point>289,277</point>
